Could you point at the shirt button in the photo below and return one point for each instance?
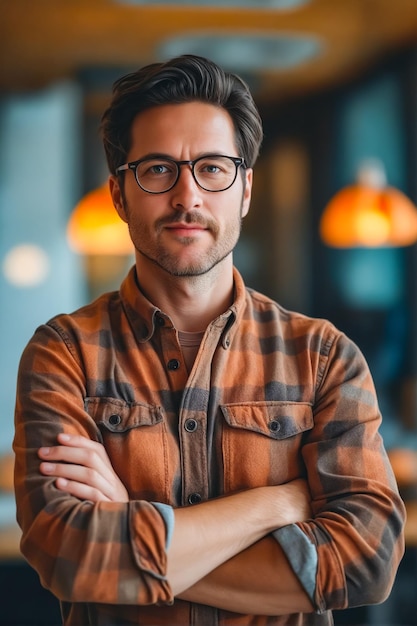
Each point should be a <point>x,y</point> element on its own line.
<point>173,364</point>
<point>274,426</point>
<point>194,498</point>
<point>191,425</point>
<point>115,420</point>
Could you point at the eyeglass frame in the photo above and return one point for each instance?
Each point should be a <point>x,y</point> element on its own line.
<point>133,165</point>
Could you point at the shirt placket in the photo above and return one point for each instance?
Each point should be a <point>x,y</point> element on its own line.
<point>192,428</point>
<point>193,441</point>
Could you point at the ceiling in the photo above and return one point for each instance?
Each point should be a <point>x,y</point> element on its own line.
<point>315,44</point>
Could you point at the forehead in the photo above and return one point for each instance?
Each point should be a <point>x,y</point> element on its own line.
<point>176,129</point>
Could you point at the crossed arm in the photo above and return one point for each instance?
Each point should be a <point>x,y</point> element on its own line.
<point>229,534</point>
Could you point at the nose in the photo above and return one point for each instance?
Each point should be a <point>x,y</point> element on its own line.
<point>186,194</point>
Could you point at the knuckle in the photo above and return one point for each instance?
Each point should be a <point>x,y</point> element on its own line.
<point>94,457</point>
<point>90,475</point>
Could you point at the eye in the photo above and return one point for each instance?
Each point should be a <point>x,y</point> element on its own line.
<point>210,167</point>
<point>158,168</point>
<point>155,168</point>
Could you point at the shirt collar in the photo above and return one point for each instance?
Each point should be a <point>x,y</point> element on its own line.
<point>144,317</point>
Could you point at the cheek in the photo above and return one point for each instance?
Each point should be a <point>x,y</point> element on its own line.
<point>142,207</point>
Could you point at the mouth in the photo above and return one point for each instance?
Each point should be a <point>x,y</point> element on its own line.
<point>185,230</point>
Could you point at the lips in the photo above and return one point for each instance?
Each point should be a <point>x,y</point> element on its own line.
<point>185,226</point>
<point>185,229</point>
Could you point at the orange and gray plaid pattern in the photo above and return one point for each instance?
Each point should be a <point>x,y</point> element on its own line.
<point>273,395</point>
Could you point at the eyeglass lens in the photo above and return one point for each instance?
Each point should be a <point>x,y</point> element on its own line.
<point>213,173</point>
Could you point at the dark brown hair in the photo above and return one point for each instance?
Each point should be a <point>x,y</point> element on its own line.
<point>183,79</point>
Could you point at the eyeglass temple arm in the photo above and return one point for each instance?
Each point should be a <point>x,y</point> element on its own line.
<point>122,167</point>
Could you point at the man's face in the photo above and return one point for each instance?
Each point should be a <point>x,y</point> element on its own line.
<point>185,231</point>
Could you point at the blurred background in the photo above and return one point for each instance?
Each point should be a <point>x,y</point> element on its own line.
<point>333,226</point>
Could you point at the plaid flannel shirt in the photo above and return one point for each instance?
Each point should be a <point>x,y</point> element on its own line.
<point>273,395</point>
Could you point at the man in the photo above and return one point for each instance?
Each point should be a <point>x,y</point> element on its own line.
<point>187,451</point>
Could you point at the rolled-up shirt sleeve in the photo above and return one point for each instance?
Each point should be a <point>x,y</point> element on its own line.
<point>104,552</point>
<point>347,554</point>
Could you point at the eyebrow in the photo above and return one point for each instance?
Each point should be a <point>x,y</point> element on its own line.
<point>162,155</point>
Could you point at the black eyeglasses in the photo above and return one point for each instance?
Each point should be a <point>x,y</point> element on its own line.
<point>214,172</point>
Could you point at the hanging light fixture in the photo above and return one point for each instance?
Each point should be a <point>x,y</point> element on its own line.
<point>369,214</point>
<point>95,228</point>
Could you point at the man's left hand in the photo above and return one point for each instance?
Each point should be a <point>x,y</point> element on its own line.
<point>83,469</point>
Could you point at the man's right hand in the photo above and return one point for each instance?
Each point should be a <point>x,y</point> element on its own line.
<point>220,529</point>
<point>294,501</point>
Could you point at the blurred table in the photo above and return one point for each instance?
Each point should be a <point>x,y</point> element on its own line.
<point>411,525</point>
<point>9,542</point>
<point>9,530</point>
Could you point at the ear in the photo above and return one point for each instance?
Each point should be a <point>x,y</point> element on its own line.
<point>117,197</point>
<point>248,192</point>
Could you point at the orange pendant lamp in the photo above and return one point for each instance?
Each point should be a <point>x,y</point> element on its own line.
<point>95,227</point>
<point>369,214</point>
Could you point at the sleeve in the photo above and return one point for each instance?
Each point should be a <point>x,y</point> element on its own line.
<point>347,555</point>
<point>104,552</point>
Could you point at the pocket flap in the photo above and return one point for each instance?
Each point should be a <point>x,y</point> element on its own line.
<point>278,420</point>
<point>118,416</point>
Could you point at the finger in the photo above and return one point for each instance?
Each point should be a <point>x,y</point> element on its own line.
<point>75,441</point>
<point>79,441</point>
<point>103,484</point>
<point>80,490</point>
<point>78,473</point>
<point>77,456</point>
<point>87,455</point>
<point>86,451</point>
<point>81,451</point>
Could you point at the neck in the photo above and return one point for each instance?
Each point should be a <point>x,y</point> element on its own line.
<point>192,302</point>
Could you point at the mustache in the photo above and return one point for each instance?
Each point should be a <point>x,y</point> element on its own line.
<point>187,217</point>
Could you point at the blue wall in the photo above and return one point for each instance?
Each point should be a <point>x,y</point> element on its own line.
<point>40,157</point>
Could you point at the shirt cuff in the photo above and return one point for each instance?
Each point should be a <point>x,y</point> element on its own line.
<point>167,513</point>
<point>302,555</point>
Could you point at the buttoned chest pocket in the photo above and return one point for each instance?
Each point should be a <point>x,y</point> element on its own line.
<point>136,441</point>
<point>261,443</point>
